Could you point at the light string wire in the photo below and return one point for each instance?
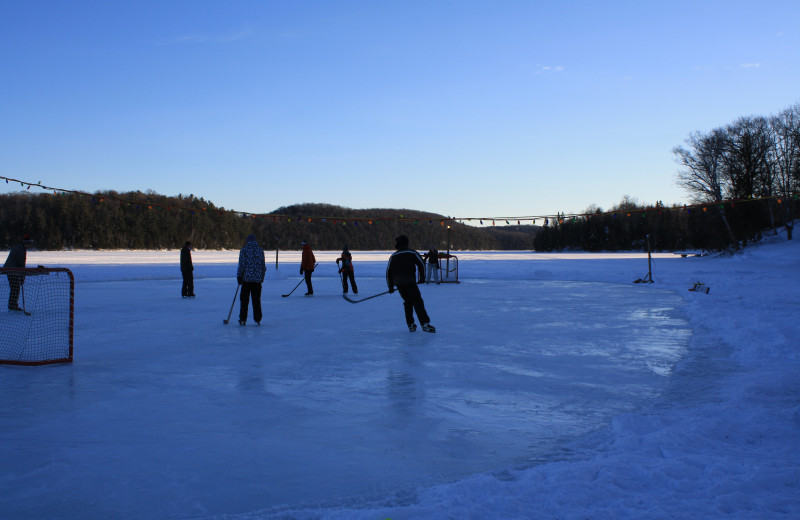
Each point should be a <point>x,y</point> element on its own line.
<point>546,218</point>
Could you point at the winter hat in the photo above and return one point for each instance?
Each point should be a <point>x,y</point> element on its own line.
<point>303,243</point>
<point>401,242</point>
<point>27,239</point>
<point>251,238</point>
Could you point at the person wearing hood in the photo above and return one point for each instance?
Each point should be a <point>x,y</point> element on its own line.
<point>187,289</point>
<point>432,260</point>
<point>346,270</point>
<point>16,260</point>
<point>402,273</point>
<point>307,264</point>
<point>250,275</point>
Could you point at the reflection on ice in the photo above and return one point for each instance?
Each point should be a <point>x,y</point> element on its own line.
<point>325,400</point>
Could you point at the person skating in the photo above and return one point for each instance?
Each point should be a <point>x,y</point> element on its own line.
<point>187,289</point>
<point>431,259</point>
<point>307,264</point>
<point>402,273</point>
<point>346,270</point>
<point>17,257</point>
<point>250,275</point>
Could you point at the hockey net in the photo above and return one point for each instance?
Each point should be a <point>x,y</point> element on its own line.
<point>448,268</point>
<point>36,316</point>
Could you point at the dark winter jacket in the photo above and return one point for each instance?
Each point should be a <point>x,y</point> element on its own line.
<point>252,266</point>
<point>347,262</point>
<point>16,257</point>
<point>402,266</point>
<point>307,262</point>
<point>432,257</point>
<point>186,260</point>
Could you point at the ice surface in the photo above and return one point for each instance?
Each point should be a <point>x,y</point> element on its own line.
<point>553,388</point>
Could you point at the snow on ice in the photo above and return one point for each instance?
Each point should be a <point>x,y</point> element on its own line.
<point>553,388</point>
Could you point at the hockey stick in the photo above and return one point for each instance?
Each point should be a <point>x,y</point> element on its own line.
<point>295,287</point>
<point>364,299</point>
<point>298,284</point>
<point>232,304</point>
<point>22,290</point>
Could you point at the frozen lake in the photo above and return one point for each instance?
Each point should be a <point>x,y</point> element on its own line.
<point>168,413</point>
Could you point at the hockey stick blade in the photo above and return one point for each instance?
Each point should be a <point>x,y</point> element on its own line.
<point>296,286</point>
<point>363,299</point>
<point>225,321</point>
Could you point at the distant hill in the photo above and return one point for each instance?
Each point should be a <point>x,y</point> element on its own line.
<point>147,220</point>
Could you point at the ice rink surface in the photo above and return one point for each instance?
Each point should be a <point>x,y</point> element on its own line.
<point>328,406</point>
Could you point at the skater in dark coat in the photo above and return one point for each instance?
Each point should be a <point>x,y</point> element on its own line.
<point>250,275</point>
<point>307,264</point>
<point>402,273</point>
<point>187,289</point>
<point>346,270</point>
<point>16,260</point>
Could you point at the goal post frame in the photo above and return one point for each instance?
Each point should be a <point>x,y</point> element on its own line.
<point>451,266</point>
<point>43,271</point>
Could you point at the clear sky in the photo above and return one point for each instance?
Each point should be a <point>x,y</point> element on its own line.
<point>464,108</point>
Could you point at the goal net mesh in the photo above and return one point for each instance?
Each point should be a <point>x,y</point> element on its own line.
<point>36,315</point>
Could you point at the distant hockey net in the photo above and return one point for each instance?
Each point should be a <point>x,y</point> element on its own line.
<point>36,315</point>
<point>448,268</point>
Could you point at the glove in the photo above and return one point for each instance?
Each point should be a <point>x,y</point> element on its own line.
<point>239,279</point>
<point>301,271</point>
<point>391,290</point>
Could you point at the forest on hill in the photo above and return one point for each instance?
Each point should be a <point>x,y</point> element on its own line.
<point>743,178</point>
<point>139,220</point>
<point>149,221</point>
<point>629,226</point>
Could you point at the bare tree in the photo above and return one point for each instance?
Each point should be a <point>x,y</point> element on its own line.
<point>747,169</point>
<point>785,160</point>
<point>702,166</point>
<point>627,203</point>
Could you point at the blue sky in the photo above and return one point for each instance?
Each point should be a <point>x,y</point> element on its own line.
<point>464,108</point>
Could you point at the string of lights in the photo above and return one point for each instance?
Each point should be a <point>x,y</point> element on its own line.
<point>544,219</point>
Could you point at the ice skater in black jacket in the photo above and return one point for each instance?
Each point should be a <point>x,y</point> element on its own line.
<point>187,289</point>
<point>402,273</point>
<point>16,260</point>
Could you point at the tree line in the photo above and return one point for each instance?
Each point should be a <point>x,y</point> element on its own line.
<point>753,157</point>
<point>742,179</point>
<point>630,226</point>
<point>148,220</point>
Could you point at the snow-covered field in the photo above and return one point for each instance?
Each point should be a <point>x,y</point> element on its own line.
<point>553,388</point>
